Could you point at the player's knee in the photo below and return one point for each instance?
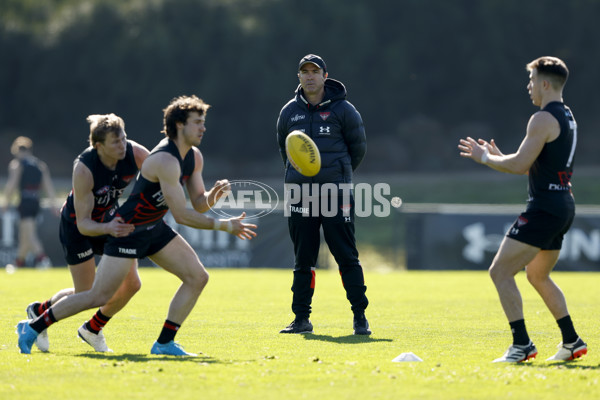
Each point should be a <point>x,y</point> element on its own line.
<point>492,272</point>
<point>203,277</point>
<point>535,278</point>
<point>199,279</point>
<point>496,273</point>
<point>134,285</point>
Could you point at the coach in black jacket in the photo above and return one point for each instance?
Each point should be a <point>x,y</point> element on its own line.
<point>320,110</point>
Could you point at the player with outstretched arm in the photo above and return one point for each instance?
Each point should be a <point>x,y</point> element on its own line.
<point>100,175</point>
<point>534,241</point>
<point>175,162</point>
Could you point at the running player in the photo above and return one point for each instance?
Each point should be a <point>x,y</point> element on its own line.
<point>173,163</point>
<point>100,174</point>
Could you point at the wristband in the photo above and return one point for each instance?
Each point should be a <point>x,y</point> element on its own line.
<point>484,157</point>
<point>223,225</point>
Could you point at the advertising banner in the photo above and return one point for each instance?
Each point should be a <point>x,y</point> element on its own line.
<point>467,237</point>
<point>272,248</point>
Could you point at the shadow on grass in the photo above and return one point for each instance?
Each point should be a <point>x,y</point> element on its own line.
<point>348,339</point>
<point>560,365</point>
<point>200,359</point>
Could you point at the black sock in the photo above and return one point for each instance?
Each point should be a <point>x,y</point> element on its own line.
<point>97,322</point>
<point>567,329</point>
<point>39,308</point>
<point>519,332</point>
<point>168,332</point>
<point>43,321</point>
<point>44,306</point>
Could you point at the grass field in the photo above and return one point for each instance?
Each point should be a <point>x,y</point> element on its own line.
<point>452,320</point>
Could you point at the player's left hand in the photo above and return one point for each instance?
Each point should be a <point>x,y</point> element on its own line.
<point>470,148</point>
<point>221,188</point>
<point>492,147</point>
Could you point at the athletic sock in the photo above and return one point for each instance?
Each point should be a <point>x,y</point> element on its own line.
<point>41,307</point>
<point>519,332</point>
<point>168,332</point>
<point>567,329</point>
<point>43,321</point>
<point>97,322</point>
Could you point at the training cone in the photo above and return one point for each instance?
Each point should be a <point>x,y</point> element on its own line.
<point>405,357</point>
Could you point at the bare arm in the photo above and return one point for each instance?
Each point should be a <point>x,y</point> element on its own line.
<point>165,168</point>
<point>83,199</point>
<point>139,153</point>
<point>542,128</point>
<point>14,175</point>
<point>201,199</point>
<point>47,181</point>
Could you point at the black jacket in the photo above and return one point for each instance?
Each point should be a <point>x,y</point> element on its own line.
<point>336,128</point>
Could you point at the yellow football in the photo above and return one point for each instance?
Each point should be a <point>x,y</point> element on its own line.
<point>303,153</point>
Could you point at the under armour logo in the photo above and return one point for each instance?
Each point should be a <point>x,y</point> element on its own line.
<point>478,243</point>
<point>324,130</point>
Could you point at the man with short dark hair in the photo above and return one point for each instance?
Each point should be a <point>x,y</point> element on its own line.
<point>534,241</point>
<point>320,110</point>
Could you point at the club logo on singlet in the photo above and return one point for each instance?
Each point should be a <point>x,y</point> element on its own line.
<point>521,221</point>
<point>160,199</point>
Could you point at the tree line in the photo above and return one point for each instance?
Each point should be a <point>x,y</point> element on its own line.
<point>423,73</point>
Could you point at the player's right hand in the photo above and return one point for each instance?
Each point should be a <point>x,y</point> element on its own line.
<point>118,228</point>
<point>242,230</point>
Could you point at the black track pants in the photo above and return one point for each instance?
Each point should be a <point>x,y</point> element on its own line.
<point>338,232</point>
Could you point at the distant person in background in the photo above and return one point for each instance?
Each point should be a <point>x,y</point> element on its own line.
<point>29,176</point>
<point>100,174</point>
<point>174,163</point>
<point>534,241</point>
<point>320,109</point>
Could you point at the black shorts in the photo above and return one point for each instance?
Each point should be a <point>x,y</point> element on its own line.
<point>29,208</point>
<point>140,244</point>
<point>78,248</point>
<point>541,229</point>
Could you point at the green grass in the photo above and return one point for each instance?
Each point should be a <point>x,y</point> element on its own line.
<point>452,320</point>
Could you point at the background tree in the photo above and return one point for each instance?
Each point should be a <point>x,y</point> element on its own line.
<point>422,72</point>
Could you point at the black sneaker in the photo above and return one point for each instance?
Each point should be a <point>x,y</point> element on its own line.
<point>361,325</point>
<point>299,325</point>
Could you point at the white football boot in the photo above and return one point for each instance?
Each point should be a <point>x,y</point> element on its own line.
<point>42,342</point>
<point>570,351</point>
<point>97,341</point>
